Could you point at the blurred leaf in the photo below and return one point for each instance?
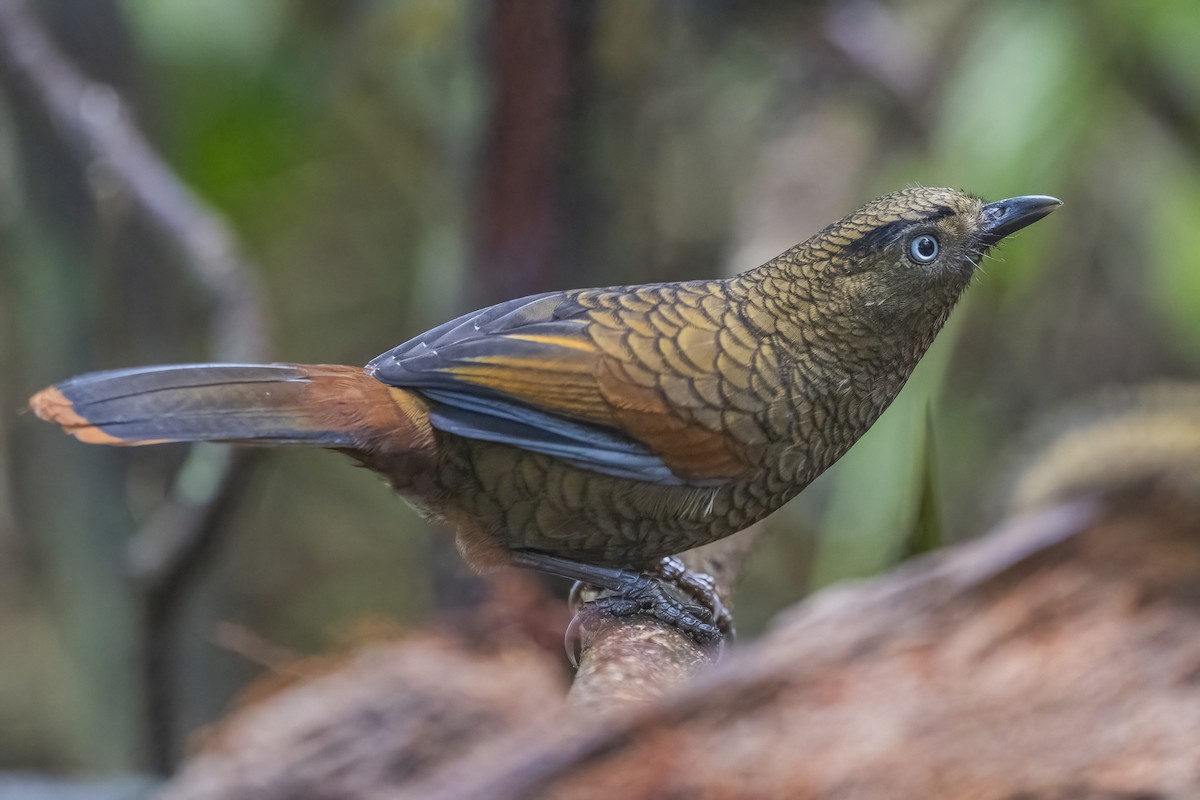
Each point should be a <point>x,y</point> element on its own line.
<point>1174,257</point>
<point>1166,29</point>
<point>213,31</point>
<point>1018,103</point>
<point>926,532</point>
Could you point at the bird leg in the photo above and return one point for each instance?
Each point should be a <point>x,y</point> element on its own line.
<point>641,593</point>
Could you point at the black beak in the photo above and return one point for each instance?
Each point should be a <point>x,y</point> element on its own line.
<point>1003,217</point>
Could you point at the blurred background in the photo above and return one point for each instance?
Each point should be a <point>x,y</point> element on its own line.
<point>388,165</point>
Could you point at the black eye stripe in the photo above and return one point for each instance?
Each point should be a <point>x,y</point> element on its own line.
<point>881,237</point>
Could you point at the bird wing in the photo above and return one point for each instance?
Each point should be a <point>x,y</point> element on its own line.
<point>624,382</point>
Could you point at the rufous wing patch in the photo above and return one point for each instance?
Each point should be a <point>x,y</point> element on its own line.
<point>690,450</point>
<point>559,378</point>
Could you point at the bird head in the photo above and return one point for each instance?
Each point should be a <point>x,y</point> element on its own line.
<point>909,255</point>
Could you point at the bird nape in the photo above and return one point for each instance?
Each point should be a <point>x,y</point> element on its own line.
<point>591,433</point>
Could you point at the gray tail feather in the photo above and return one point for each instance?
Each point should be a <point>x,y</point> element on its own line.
<point>193,402</point>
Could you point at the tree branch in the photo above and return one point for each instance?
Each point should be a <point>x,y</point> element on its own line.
<point>629,660</point>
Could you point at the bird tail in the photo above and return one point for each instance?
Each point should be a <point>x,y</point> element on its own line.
<point>324,405</point>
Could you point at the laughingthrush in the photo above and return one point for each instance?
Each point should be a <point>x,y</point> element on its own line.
<point>594,431</point>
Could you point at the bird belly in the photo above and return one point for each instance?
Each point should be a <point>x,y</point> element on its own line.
<point>501,498</point>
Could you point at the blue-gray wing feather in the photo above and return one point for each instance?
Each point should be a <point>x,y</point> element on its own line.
<point>461,408</point>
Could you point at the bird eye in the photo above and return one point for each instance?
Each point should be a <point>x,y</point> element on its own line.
<point>923,248</point>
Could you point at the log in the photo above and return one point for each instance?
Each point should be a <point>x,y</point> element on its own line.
<point>1058,656</point>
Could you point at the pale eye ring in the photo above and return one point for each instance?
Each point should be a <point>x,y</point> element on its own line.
<point>923,248</point>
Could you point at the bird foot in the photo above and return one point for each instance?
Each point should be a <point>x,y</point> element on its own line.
<point>645,594</point>
<point>700,587</point>
<point>625,593</point>
<point>706,618</point>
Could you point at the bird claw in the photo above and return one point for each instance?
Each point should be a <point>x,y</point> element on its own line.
<point>625,593</point>
<point>647,596</point>
<point>699,586</point>
<point>706,620</point>
<point>653,600</point>
<point>572,639</point>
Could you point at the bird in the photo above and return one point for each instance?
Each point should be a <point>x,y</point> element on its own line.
<point>597,433</point>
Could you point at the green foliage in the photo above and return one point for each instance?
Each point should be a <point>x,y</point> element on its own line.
<point>1173,279</point>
